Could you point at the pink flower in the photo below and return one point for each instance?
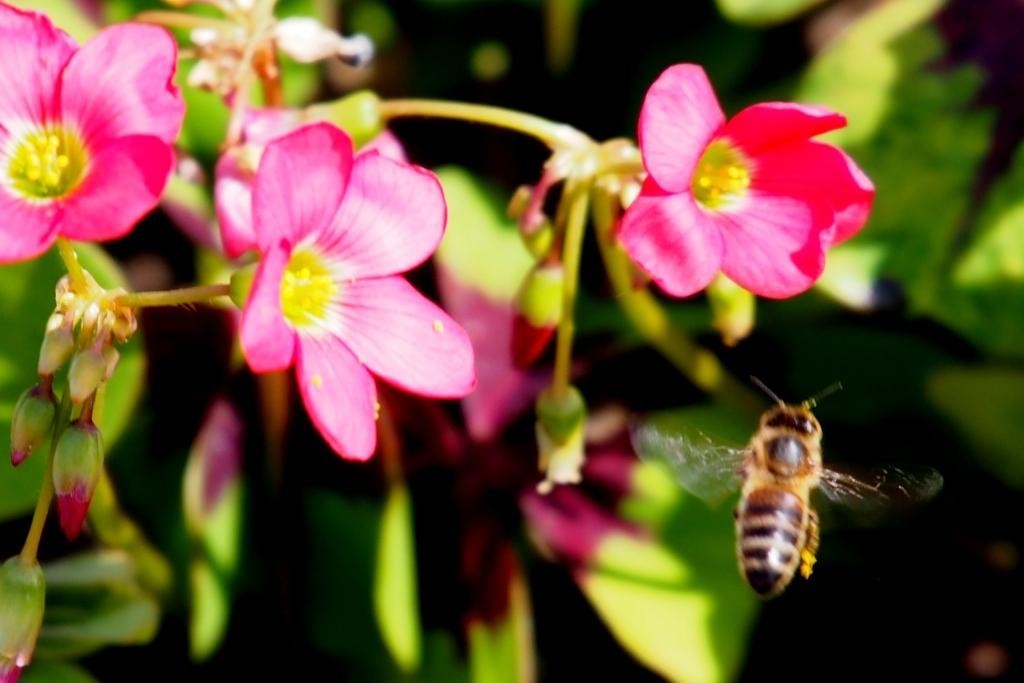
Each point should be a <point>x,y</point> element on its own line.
<point>237,168</point>
<point>85,134</point>
<point>753,197</point>
<point>334,231</point>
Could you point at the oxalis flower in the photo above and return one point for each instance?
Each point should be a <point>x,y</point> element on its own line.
<point>85,134</point>
<point>237,168</point>
<point>334,230</point>
<point>754,197</point>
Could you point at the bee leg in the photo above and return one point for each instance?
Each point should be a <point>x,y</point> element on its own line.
<point>808,554</point>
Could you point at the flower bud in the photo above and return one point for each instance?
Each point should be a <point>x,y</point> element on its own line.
<point>32,421</point>
<point>732,310</point>
<point>539,240</point>
<point>306,40</point>
<point>22,599</point>
<point>241,284</point>
<point>77,463</point>
<point>58,344</point>
<point>88,368</point>
<point>560,422</point>
<point>539,304</point>
<point>358,114</point>
<point>112,356</point>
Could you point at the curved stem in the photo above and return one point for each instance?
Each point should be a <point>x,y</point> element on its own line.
<point>578,197</point>
<point>649,318</point>
<point>174,297</point>
<point>74,268</point>
<point>554,135</point>
<point>30,551</point>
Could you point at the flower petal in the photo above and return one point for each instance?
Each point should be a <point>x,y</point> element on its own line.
<point>265,124</point>
<point>340,396</point>
<point>775,124</point>
<point>822,173</point>
<point>33,53</point>
<point>673,239</point>
<point>121,83</point>
<point>300,183</point>
<point>268,342</point>
<point>680,116</point>
<point>388,144</point>
<point>407,340</point>
<point>124,182</point>
<point>391,219</point>
<point>775,245</point>
<point>26,229</point>
<point>232,197</point>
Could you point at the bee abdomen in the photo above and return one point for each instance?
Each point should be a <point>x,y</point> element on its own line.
<point>770,530</point>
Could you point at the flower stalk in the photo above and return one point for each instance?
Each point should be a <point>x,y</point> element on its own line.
<point>554,135</point>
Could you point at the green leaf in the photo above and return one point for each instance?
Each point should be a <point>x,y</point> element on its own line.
<point>26,301</point>
<point>676,601</point>
<point>213,504</point>
<point>96,569</point>
<point>919,134</point>
<point>94,600</point>
<point>395,595</point>
<point>343,534</point>
<point>764,12</point>
<point>984,298</point>
<point>985,405</point>
<point>502,652</point>
<point>119,620</point>
<point>55,672</point>
<point>481,247</point>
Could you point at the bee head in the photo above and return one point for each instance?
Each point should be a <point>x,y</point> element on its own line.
<point>791,437</point>
<point>797,420</point>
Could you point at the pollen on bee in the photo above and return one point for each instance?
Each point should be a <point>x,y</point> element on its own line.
<point>438,327</point>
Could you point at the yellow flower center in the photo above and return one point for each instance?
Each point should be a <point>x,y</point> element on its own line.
<point>307,289</point>
<point>47,163</point>
<point>722,175</point>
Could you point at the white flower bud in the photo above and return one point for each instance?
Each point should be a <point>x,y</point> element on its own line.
<point>306,40</point>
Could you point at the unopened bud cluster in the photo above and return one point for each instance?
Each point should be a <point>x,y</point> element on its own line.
<point>80,335</point>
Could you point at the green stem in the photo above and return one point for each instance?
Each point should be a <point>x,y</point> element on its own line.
<point>649,318</point>
<point>74,268</point>
<point>578,197</point>
<point>174,297</point>
<point>30,551</point>
<point>554,135</point>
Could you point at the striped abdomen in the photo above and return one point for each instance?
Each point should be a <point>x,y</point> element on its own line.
<point>771,529</point>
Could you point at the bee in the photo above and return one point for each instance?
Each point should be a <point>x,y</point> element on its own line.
<point>777,530</point>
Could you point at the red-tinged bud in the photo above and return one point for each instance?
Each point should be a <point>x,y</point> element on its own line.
<point>77,463</point>
<point>22,599</point>
<point>560,422</point>
<point>539,304</point>
<point>88,368</point>
<point>732,310</point>
<point>58,345</point>
<point>32,421</point>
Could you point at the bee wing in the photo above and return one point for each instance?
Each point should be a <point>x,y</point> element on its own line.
<point>704,467</point>
<point>879,488</point>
